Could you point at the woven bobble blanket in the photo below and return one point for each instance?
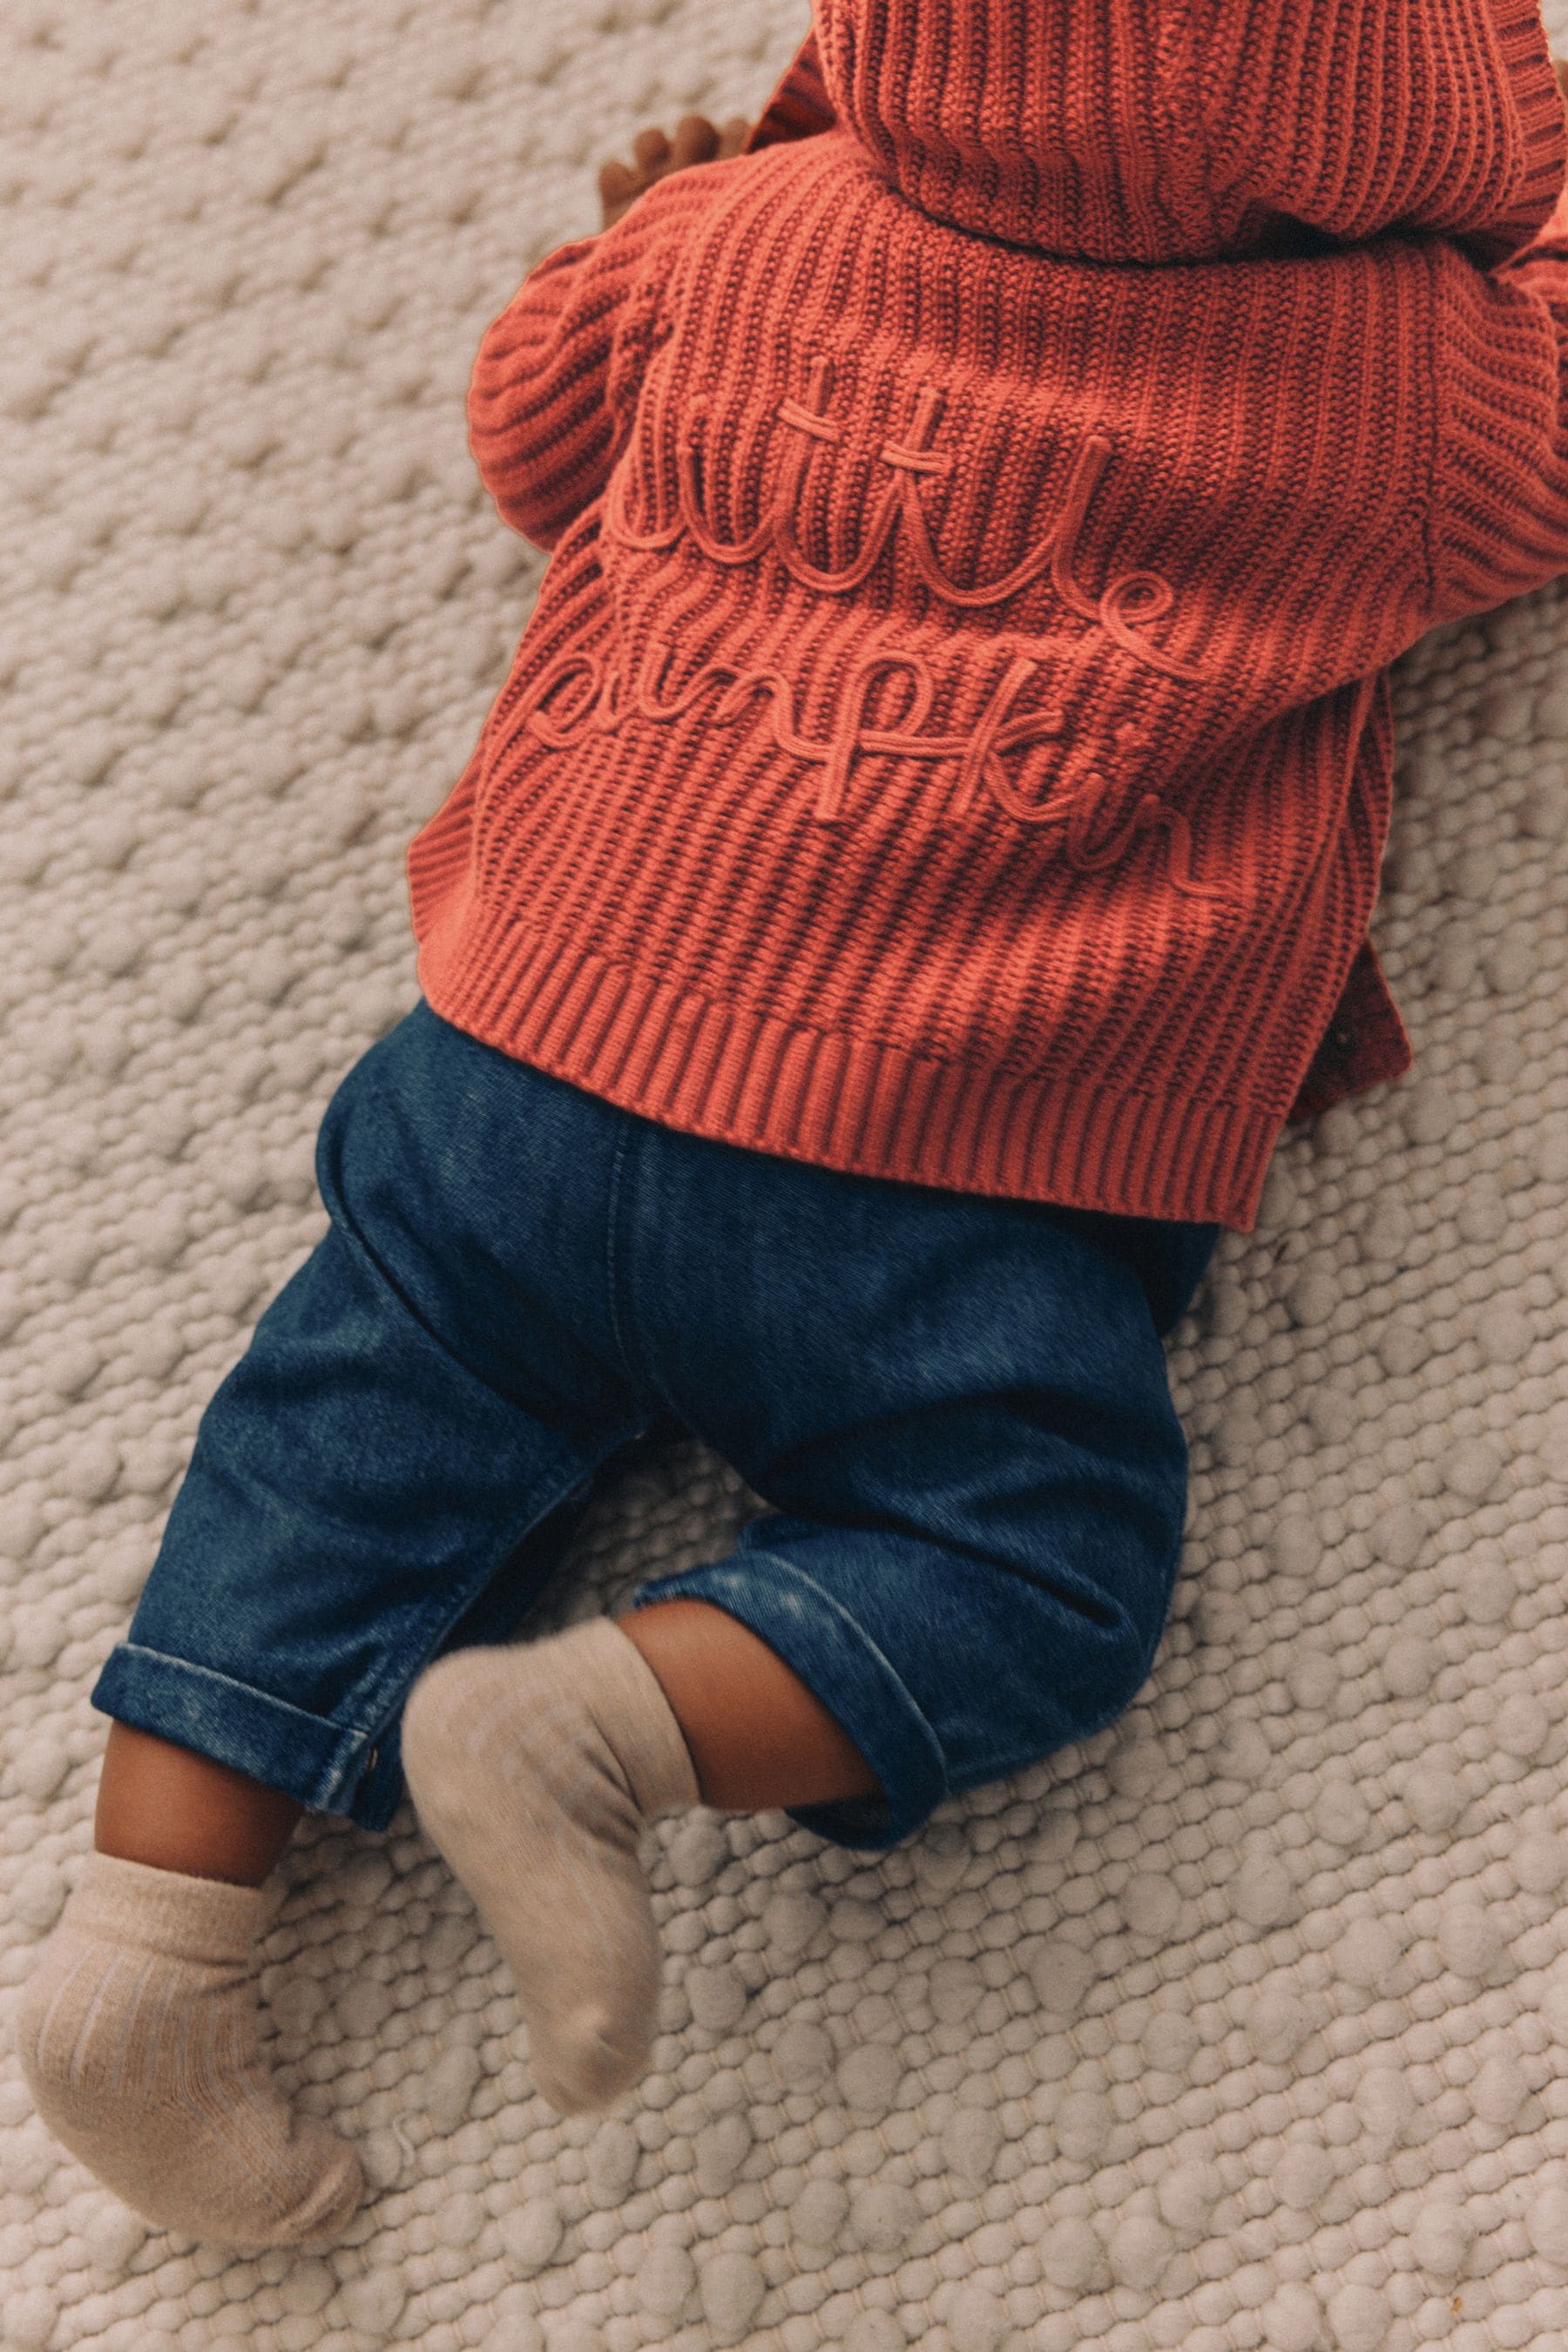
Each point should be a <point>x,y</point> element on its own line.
<point>1242,2025</point>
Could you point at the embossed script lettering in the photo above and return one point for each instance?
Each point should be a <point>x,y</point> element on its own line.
<point>583,695</point>
<point>1130,598</point>
<point>1014,746</point>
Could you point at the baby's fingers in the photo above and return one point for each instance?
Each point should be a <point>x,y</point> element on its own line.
<point>696,141</point>
<point>650,151</point>
<point>617,186</point>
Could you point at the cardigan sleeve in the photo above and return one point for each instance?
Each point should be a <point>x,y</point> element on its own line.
<point>554,386</point>
<point>1500,515</point>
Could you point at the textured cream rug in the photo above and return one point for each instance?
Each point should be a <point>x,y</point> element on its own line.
<point>1242,2026</point>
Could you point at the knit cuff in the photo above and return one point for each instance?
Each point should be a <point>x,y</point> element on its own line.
<point>640,1727</point>
<point>205,1919</point>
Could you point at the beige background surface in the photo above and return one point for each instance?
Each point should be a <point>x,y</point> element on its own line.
<point>1243,2026</point>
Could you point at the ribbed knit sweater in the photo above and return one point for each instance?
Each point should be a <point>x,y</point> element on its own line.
<point>952,742</point>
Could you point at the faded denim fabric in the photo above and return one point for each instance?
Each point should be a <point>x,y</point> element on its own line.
<point>956,1408</point>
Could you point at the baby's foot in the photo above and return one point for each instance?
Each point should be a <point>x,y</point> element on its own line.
<point>138,2035</point>
<point>535,1768</point>
<point>696,141</point>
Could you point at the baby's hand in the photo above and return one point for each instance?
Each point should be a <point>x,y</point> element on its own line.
<point>696,141</point>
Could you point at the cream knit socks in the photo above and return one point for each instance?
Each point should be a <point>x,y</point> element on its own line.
<point>535,1768</point>
<point>138,2035</point>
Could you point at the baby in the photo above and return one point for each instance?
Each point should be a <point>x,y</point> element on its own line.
<point>921,859</point>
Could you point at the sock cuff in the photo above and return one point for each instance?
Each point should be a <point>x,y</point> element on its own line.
<point>628,1703</point>
<point>165,1911</point>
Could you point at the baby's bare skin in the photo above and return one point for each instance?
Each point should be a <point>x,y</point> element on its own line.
<point>654,157</point>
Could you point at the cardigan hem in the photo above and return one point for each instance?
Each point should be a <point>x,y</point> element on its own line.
<point>659,1049</point>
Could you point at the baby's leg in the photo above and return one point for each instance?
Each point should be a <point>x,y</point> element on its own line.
<point>395,1465</point>
<point>170,1809</point>
<point>535,1768</point>
<point>758,1736</point>
<point>960,1408</point>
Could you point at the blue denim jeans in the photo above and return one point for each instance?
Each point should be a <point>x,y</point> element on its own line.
<point>955,1407</point>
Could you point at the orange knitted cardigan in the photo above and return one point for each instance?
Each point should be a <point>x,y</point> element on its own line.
<point>952,741</point>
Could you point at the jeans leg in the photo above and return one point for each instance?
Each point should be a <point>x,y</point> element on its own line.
<point>400,1457</point>
<point>959,1411</point>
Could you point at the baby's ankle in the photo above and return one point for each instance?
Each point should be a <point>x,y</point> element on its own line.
<point>170,1809</point>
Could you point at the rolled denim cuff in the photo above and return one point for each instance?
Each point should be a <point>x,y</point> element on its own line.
<point>330,1768</point>
<point>816,1637</point>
